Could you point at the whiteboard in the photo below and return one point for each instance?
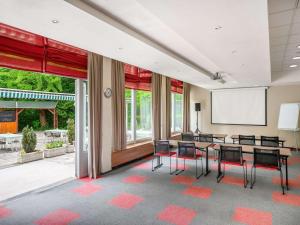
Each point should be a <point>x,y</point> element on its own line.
<point>239,106</point>
<point>289,116</point>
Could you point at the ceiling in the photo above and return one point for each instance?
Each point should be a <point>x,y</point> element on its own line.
<point>284,23</point>
<point>189,42</point>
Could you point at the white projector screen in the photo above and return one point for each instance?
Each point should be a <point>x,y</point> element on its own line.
<point>241,106</point>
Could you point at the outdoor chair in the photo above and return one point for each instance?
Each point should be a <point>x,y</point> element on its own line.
<point>266,158</point>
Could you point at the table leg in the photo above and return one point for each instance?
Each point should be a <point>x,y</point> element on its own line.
<point>286,173</point>
<point>207,171</point>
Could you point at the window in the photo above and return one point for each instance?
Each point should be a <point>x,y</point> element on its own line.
<point>138,115</point>
<point>177,112</point>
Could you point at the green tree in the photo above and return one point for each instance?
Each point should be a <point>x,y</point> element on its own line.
<point>26,80</point>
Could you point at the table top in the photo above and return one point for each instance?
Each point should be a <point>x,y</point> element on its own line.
<point>256,137</point>
<point>56,130</point>
<point>197,144</point>
<point>9,135</point>
<point>214,135</point>
<point>250,148</point>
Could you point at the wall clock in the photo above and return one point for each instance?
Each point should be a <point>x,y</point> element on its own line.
<point>107,92</point>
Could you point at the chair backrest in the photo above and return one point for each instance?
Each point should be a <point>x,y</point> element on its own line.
<point>188,136</point>
<point>267,157</point>
<point>247,139</point>
<point>269,141</point>
<point>162,146</point>
<point>231,154</point>
<point>206,138</point>
<point>186,149</point>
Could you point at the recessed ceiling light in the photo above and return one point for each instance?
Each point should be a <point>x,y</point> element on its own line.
<point>293,66</point>
<point>298,46</point>
<point>55,21</point>
<point>296,57</point>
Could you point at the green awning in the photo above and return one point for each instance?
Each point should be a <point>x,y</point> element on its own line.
<point>28,105</point>
<point>37,95</point>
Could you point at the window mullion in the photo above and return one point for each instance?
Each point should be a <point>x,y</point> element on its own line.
<point>133,114</point>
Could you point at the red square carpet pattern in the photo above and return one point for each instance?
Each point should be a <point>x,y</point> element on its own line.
<point>58,217</point>
<point>289,199</point>
<point>4,212</point>
<point>252,216</point>
<point>177,215</point>
<point>87,189</point>
<point>135,179</point>
<point>198,192</point>
<point>182,179</point>
<point>126,201</point>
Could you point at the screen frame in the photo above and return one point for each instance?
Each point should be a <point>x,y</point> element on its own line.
<point>235,124</point>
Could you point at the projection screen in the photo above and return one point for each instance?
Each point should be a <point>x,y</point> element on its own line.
<point>241,106</point>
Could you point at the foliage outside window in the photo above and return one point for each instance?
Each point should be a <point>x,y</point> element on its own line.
<point>26,80</point>
<point>177,112</point>
<point>138,115</point>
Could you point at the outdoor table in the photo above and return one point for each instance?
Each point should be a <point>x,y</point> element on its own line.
<point>9,138</point>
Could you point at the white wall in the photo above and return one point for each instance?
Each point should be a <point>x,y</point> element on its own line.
<point>107,136</point>
<point>276,96</point>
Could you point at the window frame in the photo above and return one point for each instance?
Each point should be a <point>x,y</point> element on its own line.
<point>173,113</point>
<point>133,121</point>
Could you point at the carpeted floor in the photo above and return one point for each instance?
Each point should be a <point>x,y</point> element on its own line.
<point>134,195</point>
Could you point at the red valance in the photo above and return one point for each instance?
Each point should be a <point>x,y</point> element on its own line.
<point>137,78</point>
<point>23,50</point>
<point>176,86</point>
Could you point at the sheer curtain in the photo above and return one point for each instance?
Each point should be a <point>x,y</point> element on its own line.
<point>118,103</point>
<point>95,68</point>
<point>156,106</point>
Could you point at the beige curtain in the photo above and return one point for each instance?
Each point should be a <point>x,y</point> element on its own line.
<point>118,103</point>
<point>168,107</point>
<point>186,107</point>
<point>95,68</point>
<point>156,106</point>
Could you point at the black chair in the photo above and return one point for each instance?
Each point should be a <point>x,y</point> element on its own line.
<point>188,150</point>
<point>247,139</point>
<point>208,138</point>
<point>187,136</point>
<point>269,141</point>
<point>162,149</point>
<point>232,155</point>
<point>266,158</point>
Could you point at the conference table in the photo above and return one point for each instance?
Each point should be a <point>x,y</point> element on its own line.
<point>221,137</point>
<point>235,139</point>
<point>199,145</point>
<point>284,154</point>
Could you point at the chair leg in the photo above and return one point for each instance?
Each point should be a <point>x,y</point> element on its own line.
<point>159,163</point>
<point>223,174</point>
<point>180,171</point>
<point>198,176</point>
<point>245,175</point>
<point>281,180</point>
<point>253,176</point>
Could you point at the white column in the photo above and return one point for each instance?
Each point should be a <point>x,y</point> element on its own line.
<point>107,125</point>
<point>81,156</point>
